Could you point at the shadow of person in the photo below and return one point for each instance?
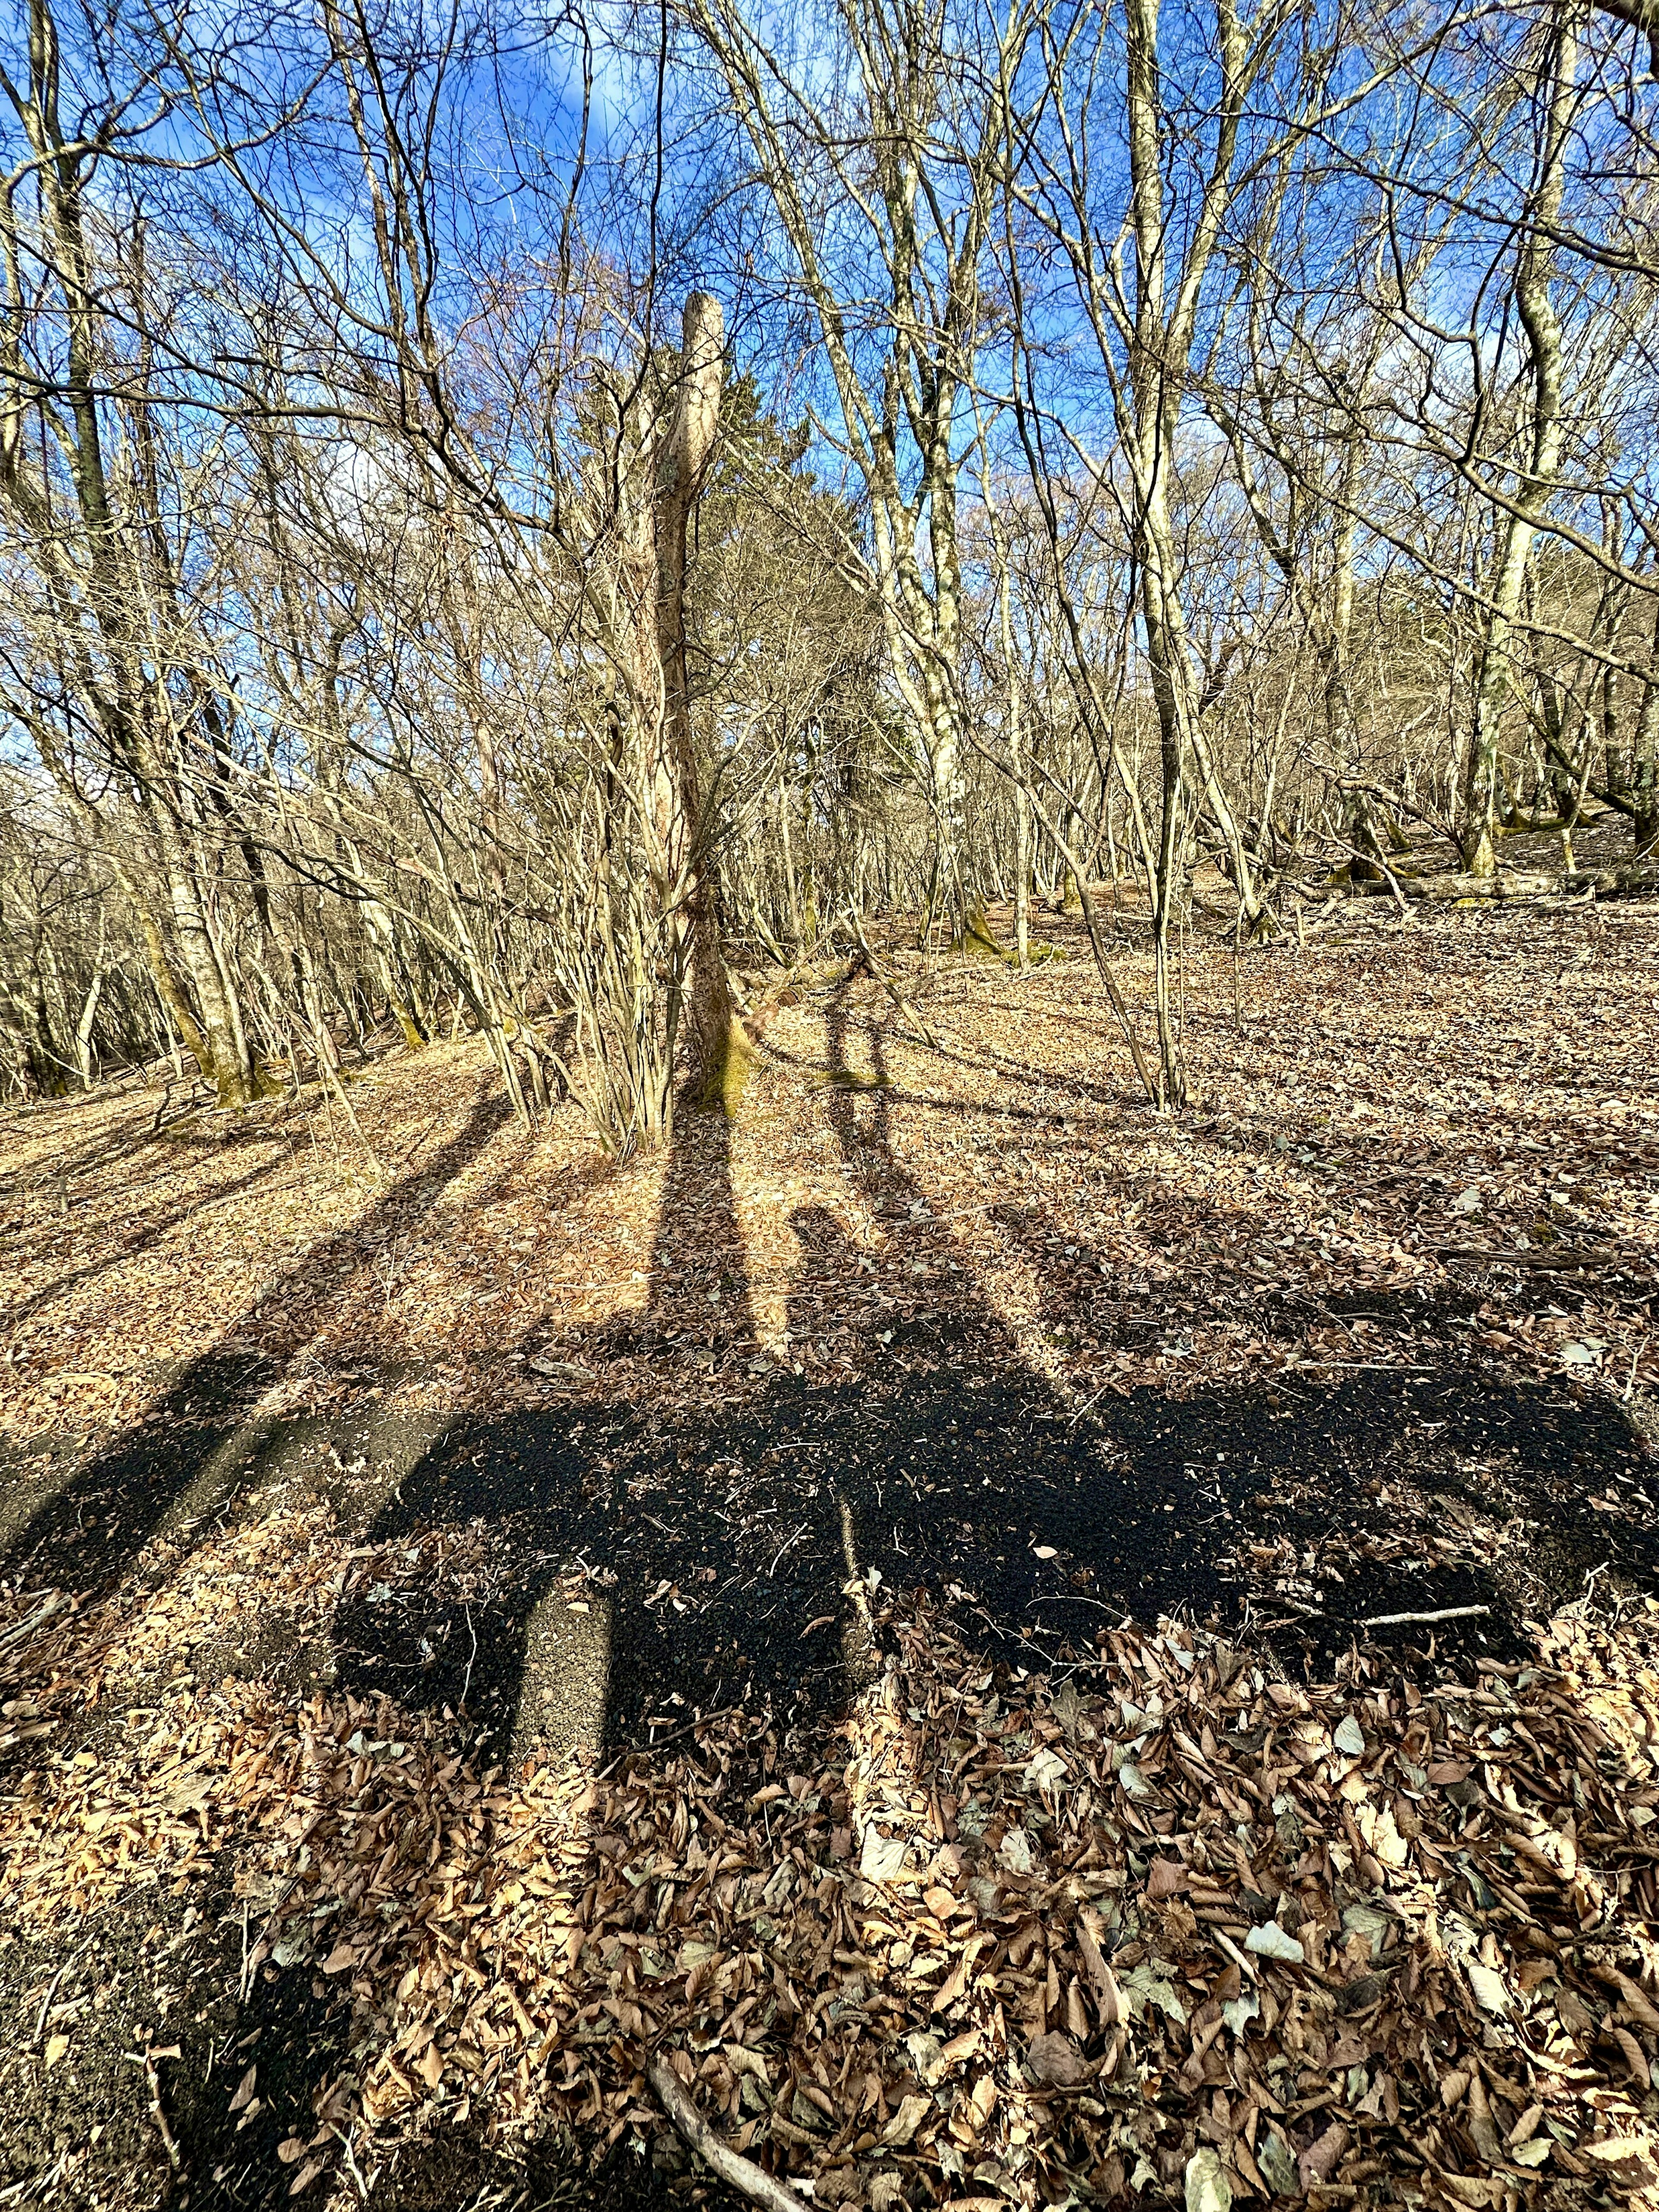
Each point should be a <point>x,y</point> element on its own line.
<point>200,1447</point>
<point>665,1552</point>
<point>964,1467</point>
<point>954,1462</point>
<point>960,1468</point>
<point>701,1533</point>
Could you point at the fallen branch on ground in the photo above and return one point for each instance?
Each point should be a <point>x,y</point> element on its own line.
<point>1597,1255</point>
<point>921,1028</point>
<point>730,2166</point>
<point>152,2081</point>
<point>1445,1612</point>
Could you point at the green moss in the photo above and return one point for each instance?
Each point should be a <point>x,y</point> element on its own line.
<point>735,1071</point>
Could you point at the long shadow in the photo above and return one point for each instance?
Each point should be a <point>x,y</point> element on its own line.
<point>697,1549</point>
<point>967,1469</point>
<point>193,1451</point>
<point>137,1233</point>
<point>1310,1505</point>
<point>627,1566</point>
<point>654,1557</point>
<point>710,1539</point>
<point>200,1450</point>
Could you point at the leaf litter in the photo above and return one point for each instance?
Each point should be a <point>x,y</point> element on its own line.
<point>1140,1920</point>
<point>1272,1964</point>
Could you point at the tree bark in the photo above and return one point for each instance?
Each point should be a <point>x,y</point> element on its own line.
<point>1542,325</point>
<point>709,1032</point>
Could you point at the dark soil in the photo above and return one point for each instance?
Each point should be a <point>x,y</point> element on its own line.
<point>950,1476</point>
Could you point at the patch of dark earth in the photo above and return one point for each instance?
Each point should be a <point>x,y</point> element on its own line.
<point>646,1560</point>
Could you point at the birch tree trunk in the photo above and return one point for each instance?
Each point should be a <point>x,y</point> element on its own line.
<point>1530,501</point>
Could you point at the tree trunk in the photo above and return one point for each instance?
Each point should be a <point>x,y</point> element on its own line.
<point>1534,491</point>
<point>710,1021</point>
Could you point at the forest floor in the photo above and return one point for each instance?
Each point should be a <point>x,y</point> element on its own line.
<point>885,1605</point>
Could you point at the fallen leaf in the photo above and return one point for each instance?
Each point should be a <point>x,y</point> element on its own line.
<point>1109,1998</point>
<point>883,1858</point>
<point>1318,2161</point>
<point>1015,1851</point>
<point>1046,1770</point>
<point>912,2112</point>
<point>1491,1993</point>
<point>1271,1941</point>
<point>927,2056</point>
<point>1151,1984</point>
<point>1277,2164</point>
<point>1634,1996</point>
<point>1055,2059</point>
<point>1208,2188</point>
<point>1482,2133</point>
<point>1628,2158</point>
<point>1377,1824</point>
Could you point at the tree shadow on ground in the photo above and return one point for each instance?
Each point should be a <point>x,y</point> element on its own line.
<point>81,1524</point>
<point>710,1537</point>
<point>658,1555</point>
<point>138,1231</point>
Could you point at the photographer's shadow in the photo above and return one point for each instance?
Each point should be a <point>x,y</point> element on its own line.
<point>616,1569</point>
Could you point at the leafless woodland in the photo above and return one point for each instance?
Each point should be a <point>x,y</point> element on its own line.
<point>508,524</point>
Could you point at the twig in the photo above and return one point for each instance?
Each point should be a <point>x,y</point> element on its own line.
<point>729,2166</point>
<point>1089,1402</point>
<point>45,2006</point>
<point>1362,1366</point>
<point>351,2164</point>
<point>1587,1256</point>
<point>57,1601</point>
<point>467,1685</point>
<point>169,2141</point>
<point>1446,1613</point>
<point>658,1743</point>
<point>892,988</point>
